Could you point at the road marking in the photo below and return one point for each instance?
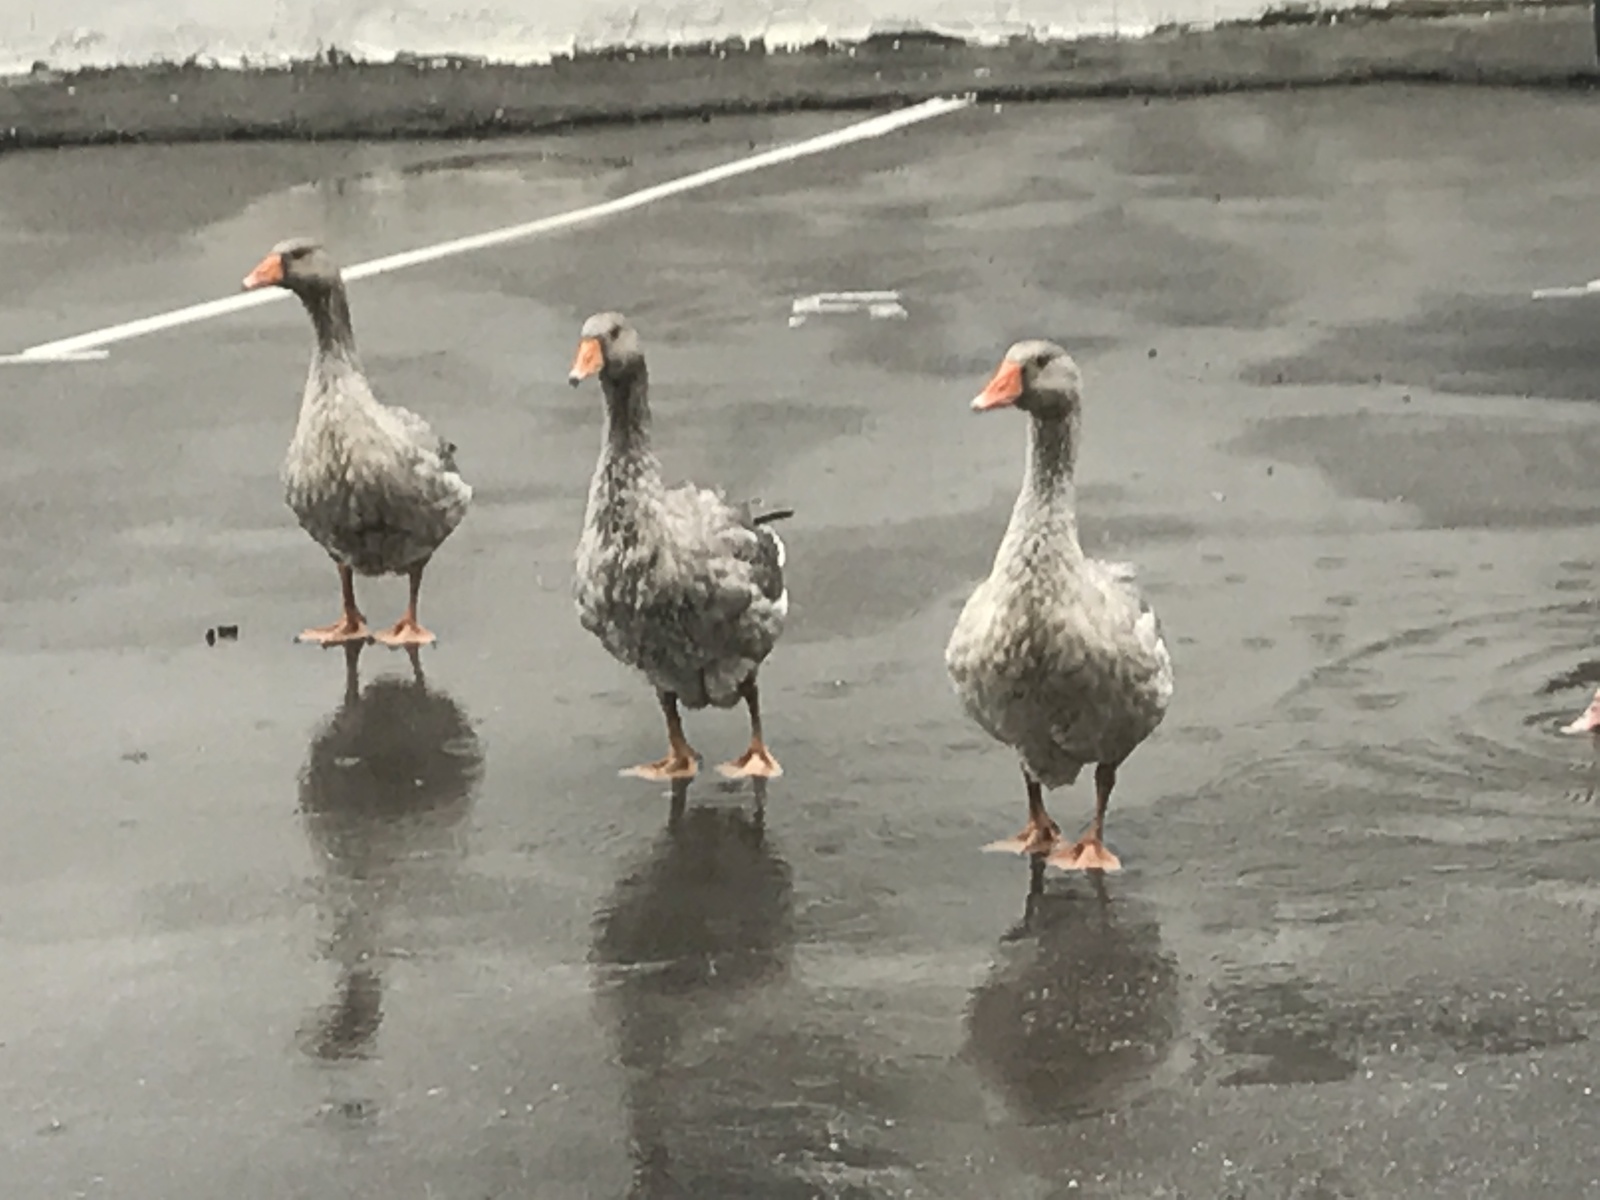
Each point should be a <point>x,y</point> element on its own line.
<point>1556,293</point>
<point>75,349</point>
<point>24,359</point>
<point>878,305</point>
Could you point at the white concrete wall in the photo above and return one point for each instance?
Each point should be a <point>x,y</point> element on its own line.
<point>75,33</point>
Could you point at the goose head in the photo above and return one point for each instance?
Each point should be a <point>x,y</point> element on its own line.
<point>607,346</point>
<point>1039,377</point>
<point>301,265</point>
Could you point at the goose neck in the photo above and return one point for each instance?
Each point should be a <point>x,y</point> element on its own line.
<point>627,481</point>
<point>1045,515</point>
<point>329,310</point>
<point>627,396</point>
<point>1052,460</point>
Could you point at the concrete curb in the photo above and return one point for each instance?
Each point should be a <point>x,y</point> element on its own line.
<point>1552,45</point>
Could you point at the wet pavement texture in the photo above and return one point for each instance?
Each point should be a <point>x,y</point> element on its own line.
<point>277,924</point>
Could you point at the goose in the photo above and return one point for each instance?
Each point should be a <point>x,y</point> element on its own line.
<point>674,582</point>
<point>1055,654</point>
<point>371,483</point>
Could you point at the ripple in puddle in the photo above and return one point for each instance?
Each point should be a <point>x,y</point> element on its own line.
<point>1469,709</point>
<point>1448,734</point>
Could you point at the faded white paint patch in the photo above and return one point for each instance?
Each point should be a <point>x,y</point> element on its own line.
<point>1557,293</point>
<point>877,305</point>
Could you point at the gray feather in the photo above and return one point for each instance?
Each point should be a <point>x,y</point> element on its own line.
<point>372,484</point>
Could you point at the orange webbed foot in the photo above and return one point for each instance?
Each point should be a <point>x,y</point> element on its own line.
<point>1086,854</point>
<point>405,632</point>
<point>342,632</point>
<point>679,765</point>
<point>755,763</point>
<point>1037,838</point>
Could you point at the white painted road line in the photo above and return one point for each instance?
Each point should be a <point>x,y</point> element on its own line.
<point>12,360</point>
<point>1557,293</point>
<point>76,349</point>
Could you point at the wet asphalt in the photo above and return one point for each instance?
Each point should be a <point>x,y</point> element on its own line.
<point>280,925</point>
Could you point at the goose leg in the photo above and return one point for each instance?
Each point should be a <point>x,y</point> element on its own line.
<point>1040,835</point>
<point>1089,852</point>
<point>680,762</point>
<point>352,627</point>
<point>756,762</point>
<point>408,631</point>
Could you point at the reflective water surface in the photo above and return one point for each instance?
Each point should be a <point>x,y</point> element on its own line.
<point>279,924</point>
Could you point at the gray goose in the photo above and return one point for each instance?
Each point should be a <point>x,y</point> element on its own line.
<point>674,582</point>
<point>1056,654</point>
<point>371,483</point>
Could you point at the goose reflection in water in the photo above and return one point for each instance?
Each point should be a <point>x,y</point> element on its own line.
<point>699,926</point>
<point>1081,1006</point>
<point>388,780</point>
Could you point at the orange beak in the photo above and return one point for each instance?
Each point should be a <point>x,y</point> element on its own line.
<point>268,273</point>
<point>589,361</point>
<point>1005,388</point>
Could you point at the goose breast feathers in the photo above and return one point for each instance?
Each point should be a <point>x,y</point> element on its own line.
<point>373,484</point>
<point>691,592</point>
<point>1080,675</point>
